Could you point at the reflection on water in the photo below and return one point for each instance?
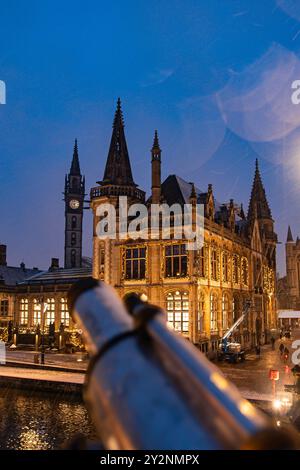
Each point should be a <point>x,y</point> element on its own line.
<point>35,420</point>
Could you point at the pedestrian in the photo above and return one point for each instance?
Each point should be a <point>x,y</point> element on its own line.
<point>286,354</point>
<point>281,348</point>
<point>257,349</point>
<point>273,343</point>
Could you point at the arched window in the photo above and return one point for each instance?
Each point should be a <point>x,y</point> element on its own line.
<point>24,311</point>
<point>245,271</point>
<point>214,261</point>
<point>73,238</point>
<point>50,312</point>
<point>74,222</point>
<point>213,312</point>
<point>37,312</point>
<point>235,269</point>
<point>178,311</point>
<point>201,313</point>
<point>225,311</point>
<point>64,312</point>
<point>225,266</point>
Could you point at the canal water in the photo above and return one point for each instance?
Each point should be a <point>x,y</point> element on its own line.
<point>31,420</point>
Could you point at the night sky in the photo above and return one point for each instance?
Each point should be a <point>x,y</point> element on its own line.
<point>214,77</point>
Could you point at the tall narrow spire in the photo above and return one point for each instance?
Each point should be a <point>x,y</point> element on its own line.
<point>156,170</point>
<point>156,150</point>
<point>75,166</point>
<point>258,205</point>
<point>289,237</point>
<point>118,169</point>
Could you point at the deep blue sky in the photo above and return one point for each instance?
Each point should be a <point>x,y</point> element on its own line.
<point>212,76</point>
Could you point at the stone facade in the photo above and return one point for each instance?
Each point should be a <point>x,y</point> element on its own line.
<point>202,291</point>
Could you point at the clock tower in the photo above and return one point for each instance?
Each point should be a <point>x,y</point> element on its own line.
<point>74,199</point>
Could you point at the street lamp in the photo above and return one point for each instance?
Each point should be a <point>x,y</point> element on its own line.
<point>44,307</point>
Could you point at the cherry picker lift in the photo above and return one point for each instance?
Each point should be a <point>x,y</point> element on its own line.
<point>229,350</point>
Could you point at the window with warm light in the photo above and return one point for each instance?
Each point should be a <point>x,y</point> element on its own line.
<point>23,311</point>
<point>225,266</point>
<point>245,273</point>
<point>225,311</point>
<point>175,260</point>
<point>64,312</point>
<point>50,312</point>
<point>214,264</point>
<point>202,262</point>
<point>135,263</point>
<point>178,311</point>
<point>235,269</point>
<point>37,312</point>
<point>213,312</point>
<point>201,313</point>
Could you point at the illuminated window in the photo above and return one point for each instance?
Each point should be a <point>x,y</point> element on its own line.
<point>64,312</point>
<point>178,311</point>
<point>225,267</point>
<point>225,311</point>
<point>24,311</point>
<point>202,262</point>
<point>50,312</point>
<point>176,261</point>
<point>235,269</point>
<point>201,313</point>
<point>135,263</point>
<point>214,264</point>
<point>37,312</point>
<point>245,271</point>
<point>213,312</point>
<point>4,308</point>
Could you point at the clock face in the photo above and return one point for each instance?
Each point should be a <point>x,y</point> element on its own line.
<point>74,204</point>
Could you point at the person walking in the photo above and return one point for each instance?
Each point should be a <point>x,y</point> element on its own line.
<point>273,343</point>
<point>281,349</point>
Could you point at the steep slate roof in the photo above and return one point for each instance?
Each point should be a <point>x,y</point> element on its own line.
<point>58,276</point>
<point>176,190</point>
<point>13,275</point>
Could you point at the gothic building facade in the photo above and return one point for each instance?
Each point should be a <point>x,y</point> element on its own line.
<point>288,292</point>
<point>202,291</point>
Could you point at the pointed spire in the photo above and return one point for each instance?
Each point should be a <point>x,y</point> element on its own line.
<point>155,147</point>
<point>75,166</point>
<point>118,169</point>
<point>258,205</point>
<point>289,237</point>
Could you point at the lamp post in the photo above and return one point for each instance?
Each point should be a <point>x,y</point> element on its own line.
<point>44,307</point>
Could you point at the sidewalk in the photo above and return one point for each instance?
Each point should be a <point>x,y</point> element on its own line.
<point>75,362</point>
